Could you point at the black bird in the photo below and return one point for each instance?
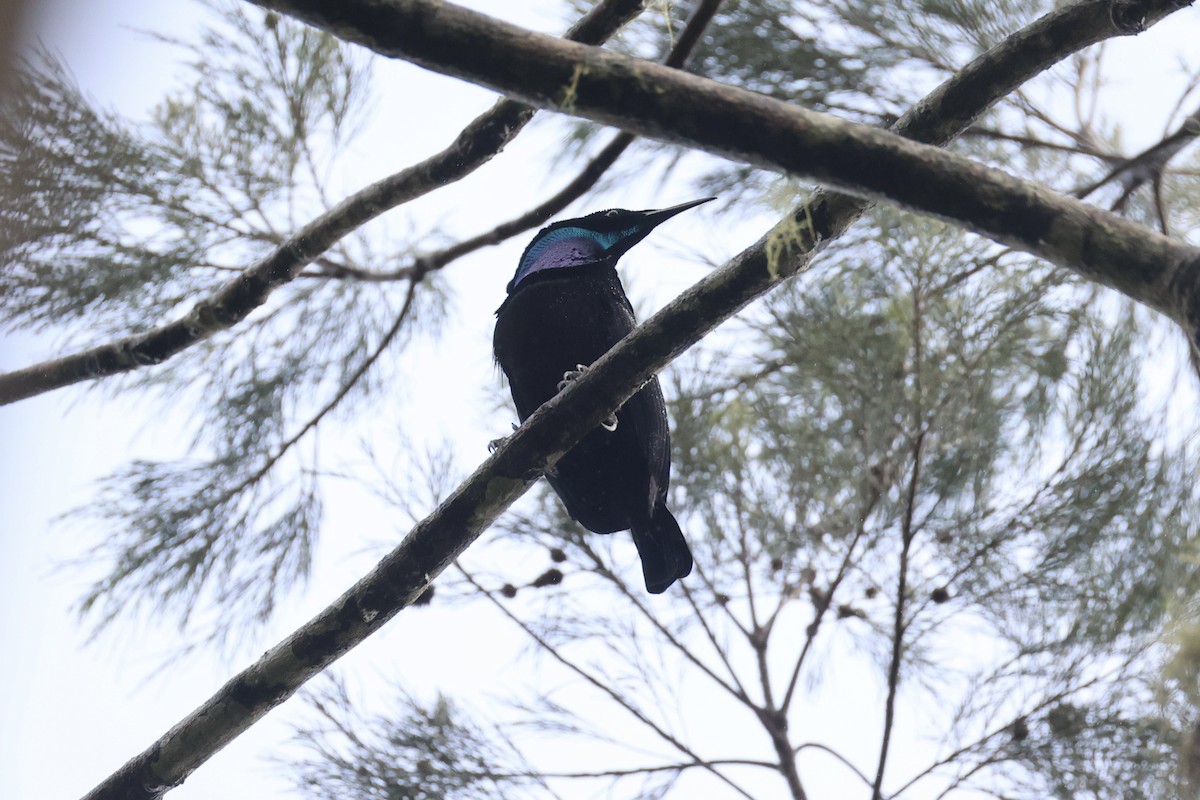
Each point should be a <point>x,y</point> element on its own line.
<point>565,308</point>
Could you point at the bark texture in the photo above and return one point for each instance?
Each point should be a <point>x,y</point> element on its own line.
<point>437,34</point>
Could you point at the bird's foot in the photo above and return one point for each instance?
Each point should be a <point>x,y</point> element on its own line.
<point>609,423</point>
<point>496,444</point>
<point>572,375</point>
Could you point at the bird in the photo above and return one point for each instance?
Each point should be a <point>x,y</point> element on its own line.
<point>565,307</point>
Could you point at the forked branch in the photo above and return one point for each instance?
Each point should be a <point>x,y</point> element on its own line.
<point>438,539</point>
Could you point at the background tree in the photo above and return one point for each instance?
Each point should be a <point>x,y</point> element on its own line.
<point>926,463</point>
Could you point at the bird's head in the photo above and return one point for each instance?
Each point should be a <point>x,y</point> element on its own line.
<point>603,236</point>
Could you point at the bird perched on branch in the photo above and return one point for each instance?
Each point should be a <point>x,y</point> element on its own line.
<point>565,308</point>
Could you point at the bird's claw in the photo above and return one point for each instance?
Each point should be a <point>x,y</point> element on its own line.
<point>572,375</point>
<point>496,444</point>
<point>609,423</point>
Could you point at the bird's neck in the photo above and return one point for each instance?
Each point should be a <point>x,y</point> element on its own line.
<point>563,249</point>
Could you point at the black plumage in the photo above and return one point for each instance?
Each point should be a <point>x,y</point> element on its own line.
<point>566,307</point>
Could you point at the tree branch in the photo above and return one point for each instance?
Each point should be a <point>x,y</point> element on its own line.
<point>734,690</point>
<point>603,687</point>
<point>485,136</point>
<point>1149,164</point>
<point>581,183</point>
<point>821,609</point>
<point>438,539</point>
<point>907,532</point>
<point>872,164</point>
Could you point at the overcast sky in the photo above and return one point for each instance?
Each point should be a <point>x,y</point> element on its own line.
<point>70,713</point>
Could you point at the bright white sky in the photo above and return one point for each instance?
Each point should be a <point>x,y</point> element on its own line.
<point>70,713</point>
<point>73,712</point>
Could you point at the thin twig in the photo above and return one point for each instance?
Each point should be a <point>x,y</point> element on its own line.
<point>621,773</point>
<point>615,696</point>
<point>587,178</point>
<point>712,638</point>
<point>1078,148</point>
<point>437,540</point>
<point>843,570</point>
<point>734,690</point>
<point>485,136</point>
<point>907,533</point>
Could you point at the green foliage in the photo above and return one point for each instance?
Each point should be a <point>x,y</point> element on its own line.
<point>1101,751</point>
<point>111,228</point>
<point>929,458</point>
<point>408,752</point>
<point>199,535</point>
<point>73,184</point>
<point>862,60</point>
<point>992,416</point>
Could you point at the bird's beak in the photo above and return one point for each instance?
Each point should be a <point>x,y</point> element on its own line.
<point>654,218</point>
<point>650,220</point>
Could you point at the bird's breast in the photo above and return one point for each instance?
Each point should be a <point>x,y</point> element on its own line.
<point>550,324</point>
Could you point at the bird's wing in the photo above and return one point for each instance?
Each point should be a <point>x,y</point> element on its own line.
<point>646,412</point>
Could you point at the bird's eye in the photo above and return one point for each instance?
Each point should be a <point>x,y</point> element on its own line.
<point>611,213</point>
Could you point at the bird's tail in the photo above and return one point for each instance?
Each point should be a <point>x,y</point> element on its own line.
<point>665,554</point>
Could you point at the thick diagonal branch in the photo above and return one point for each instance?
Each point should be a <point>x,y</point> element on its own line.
<point>437,540</point>
<point>868,163</point>
<point>588,177</point>
<point>483,138</point>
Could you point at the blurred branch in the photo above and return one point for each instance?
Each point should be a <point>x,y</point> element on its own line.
<point>741,125</point>
<point>1078,148</point>
<point>616,697</point>
<point>907,533</point>
<point>1148,166</point>
<point>340,395</point>
<point>437,540</point>
<point>735,690</point>
<point>482,139</point>
<point>579,185</point>
<point>740,382</point>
